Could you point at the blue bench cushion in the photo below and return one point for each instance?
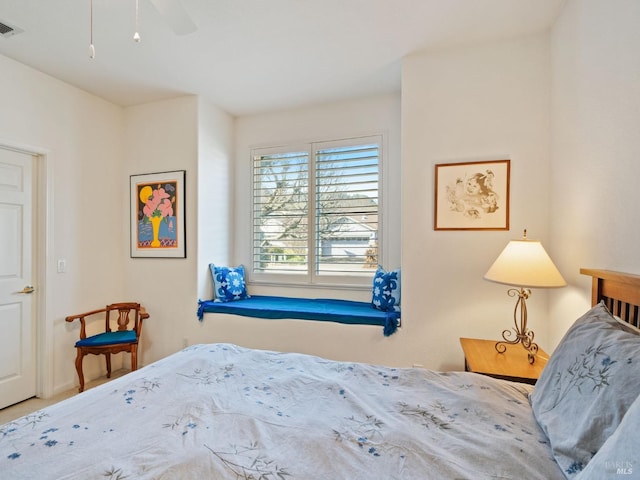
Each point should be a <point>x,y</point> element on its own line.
<point>124,336</point>
<point>341,311</point>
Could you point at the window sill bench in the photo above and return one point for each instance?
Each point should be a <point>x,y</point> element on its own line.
<point>341,311</point>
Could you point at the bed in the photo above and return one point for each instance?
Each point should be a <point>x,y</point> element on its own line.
<point>222,411</point>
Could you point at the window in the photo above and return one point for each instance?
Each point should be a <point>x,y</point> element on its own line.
<point>316,212</point>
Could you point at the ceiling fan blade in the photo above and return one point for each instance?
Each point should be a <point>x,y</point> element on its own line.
<point>175,15</point>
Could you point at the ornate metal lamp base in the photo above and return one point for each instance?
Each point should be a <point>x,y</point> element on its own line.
<point>522,335</point>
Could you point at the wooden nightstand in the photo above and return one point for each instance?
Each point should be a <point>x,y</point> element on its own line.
<point>480,356</point>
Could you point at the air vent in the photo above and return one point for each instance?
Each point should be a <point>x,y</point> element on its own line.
<point>8,30</point>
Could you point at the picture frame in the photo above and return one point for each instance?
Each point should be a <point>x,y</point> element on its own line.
<point>472,195</point>
<point>157,211</point>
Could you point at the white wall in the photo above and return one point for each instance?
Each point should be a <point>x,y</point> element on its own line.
<point>476,103</point>
<point>215,192</point>
<point>595,146</point>
<point>189,134</point>
<point>160,137</point>
<point>82,137</point>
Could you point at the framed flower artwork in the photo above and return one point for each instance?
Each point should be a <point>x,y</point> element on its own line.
<point>158,215</point>
<point>472,195</point>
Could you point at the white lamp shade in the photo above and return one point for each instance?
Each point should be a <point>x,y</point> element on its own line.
<point>525,263</point>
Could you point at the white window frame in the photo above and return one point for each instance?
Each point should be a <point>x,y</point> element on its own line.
<point>311,278</point>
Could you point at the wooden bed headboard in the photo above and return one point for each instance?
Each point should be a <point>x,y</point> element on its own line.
<point>619,291</point>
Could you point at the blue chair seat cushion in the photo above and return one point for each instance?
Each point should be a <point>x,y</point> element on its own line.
<point>108,338</point>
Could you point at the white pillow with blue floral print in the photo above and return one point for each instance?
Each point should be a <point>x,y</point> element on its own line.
<point>618,457</point>
<point>228,283</point>
<point>586,388</point>
<point>386,290</point>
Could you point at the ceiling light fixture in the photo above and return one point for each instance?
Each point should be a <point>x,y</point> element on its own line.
<point>136,35</point>
<point>92,48</point>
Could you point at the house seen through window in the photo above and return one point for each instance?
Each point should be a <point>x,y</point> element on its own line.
<point>316,211</point>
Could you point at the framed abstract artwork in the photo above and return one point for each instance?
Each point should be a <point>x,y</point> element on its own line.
<point>472,195</point>
<point>158,215</point>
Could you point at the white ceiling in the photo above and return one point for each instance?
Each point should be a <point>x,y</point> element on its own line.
<point>251,56</point>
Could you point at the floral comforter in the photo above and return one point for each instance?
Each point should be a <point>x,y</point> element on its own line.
<point>225,412</point>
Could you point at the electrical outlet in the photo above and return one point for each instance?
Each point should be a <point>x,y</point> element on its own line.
<point>185,342</point>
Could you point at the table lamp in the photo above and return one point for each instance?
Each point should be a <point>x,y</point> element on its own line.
<point>523,263</point>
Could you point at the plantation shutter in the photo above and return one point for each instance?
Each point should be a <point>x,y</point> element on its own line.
<point>316,212</point>
<point>280,212</point>
<point>347,200</point>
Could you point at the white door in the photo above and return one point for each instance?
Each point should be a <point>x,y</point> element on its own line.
<point>17,305</point>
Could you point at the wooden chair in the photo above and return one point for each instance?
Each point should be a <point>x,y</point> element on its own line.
<point>123,339</point>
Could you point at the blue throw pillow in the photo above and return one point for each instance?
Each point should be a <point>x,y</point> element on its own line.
<point>386,290</point>
<point>228,283</point>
